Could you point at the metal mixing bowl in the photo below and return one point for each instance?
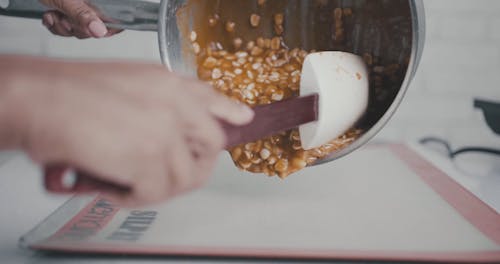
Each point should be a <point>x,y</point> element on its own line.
<point>392,30</point>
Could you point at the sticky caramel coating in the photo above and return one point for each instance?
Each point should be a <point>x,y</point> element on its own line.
<point>262,73</point>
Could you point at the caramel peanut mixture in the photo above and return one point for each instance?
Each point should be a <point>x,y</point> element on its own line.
<point>259,72</point>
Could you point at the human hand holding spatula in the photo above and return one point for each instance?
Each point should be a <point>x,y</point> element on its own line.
<point>333,96</point>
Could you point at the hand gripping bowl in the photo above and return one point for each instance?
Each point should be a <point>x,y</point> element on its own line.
<point>388,34</point>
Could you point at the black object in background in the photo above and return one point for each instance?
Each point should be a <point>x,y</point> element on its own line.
<point>491,112</point>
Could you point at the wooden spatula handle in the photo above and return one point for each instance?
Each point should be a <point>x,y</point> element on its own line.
<point>268,120</point>
<point>273,118</point>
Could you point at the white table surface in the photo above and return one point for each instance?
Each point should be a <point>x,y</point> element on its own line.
<point>24,203</point>
<point>449,77</point>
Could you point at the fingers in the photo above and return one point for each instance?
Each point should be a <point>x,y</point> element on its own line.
<point>53,22</point>
<point>201,127</point>
<point>113,31</point>
<point>79,18</point>
<point>48,19</point>
<point>155,134</point>
<point>220,106</point>
<point>172,94</point>
<point>164,177</point>
<point>230,111</point>
<point>181,167</point>
<point>204,165</point>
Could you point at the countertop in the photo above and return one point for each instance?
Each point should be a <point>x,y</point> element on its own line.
<point>25,204</point>
<point>461,62</point>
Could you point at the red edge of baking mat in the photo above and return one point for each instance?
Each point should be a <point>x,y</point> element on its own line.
<point>484,218</point>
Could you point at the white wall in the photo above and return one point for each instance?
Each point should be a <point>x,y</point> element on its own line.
<point>461,61</point>
<point>27,36</point>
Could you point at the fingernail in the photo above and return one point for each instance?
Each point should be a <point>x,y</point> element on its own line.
<point>66,25</point>
<point>49,20</point>
<point>98,29</point>
<point>247,111</point>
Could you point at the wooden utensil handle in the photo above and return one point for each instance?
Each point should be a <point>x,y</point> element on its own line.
<point>269,119</point>
<point>65,180</point>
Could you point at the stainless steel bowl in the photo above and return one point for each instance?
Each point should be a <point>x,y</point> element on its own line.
<point>392,30</point>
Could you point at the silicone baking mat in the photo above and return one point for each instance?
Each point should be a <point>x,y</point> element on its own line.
<point>383,202</point>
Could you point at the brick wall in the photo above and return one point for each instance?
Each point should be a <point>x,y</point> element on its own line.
<point>461,61</point>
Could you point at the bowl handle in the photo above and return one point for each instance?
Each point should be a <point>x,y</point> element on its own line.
<point>120,14</point>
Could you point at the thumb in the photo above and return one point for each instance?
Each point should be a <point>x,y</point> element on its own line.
<point>230,111</point>
<point>81,14</point>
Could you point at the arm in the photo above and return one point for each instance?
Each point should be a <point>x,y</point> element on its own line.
<point>133,124</point>
<point>15,72</point>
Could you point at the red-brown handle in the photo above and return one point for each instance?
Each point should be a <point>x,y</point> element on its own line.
<point>64,180</point>
<point>268,120</point>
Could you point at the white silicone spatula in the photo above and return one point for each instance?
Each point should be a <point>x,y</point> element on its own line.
<point>341,81</point>
<point>333,96</point>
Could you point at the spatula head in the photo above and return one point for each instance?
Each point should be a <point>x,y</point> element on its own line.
<point>341,81</point>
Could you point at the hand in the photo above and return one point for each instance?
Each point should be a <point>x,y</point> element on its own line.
<point>136,125</point>
<point>74,18</point>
